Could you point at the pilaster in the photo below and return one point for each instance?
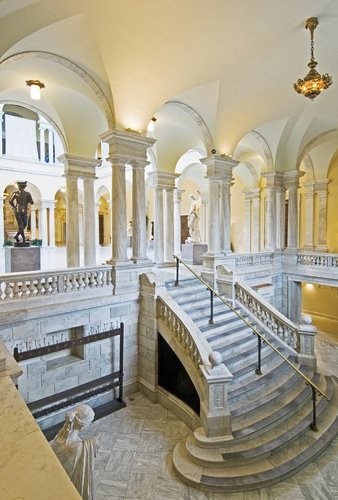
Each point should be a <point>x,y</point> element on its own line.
<point>291,182</point>
<point>309,189</point>
<point>177,220</point>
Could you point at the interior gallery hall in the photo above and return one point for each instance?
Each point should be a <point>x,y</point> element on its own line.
<point>168,250</point>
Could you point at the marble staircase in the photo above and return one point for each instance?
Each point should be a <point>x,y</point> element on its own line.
<point>270,413</point>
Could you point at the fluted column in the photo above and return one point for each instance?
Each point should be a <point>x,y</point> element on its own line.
<point>169,224</point>
<point>139,227</point>
<point>43,228</point>
<point>291,182</point>
<point>2,226</point>
<point>119,211</point>
<point>177,221</point>
<point>309,190</point>
<point>255,220</point>
<point>321,193</point>
<point>89,224</point>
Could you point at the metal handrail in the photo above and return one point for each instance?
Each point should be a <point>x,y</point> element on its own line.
<point>260,337</point>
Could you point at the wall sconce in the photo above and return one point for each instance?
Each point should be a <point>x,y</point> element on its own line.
<point>35,88</point>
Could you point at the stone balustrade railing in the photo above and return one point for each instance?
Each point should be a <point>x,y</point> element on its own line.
<point>318,260</point>
<point>269,316</point>
<point>21,286</point>
<point>184,333</point>
<point>253,260</point>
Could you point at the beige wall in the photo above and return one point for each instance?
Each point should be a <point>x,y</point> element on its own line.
<point>321,303</point>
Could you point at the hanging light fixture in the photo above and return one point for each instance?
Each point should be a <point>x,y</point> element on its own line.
<point>313,83</point>
<point>35,88</point>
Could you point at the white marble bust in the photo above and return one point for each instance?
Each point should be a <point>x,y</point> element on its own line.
<point>76,454</point>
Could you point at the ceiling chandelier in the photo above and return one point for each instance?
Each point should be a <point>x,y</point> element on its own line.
<point>313,83</point>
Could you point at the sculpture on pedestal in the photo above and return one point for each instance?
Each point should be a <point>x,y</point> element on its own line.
<point>75,454</point>
<point>19,201</point>
<point>194,220</point>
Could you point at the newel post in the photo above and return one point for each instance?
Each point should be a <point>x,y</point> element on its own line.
<point>225,280</point>
<point>215,413</point>
<point>306,332</point>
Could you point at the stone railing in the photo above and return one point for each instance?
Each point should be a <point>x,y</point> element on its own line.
<point>253,260</point>
<point>266,314</point>
<point>21,286</point>
<point>213,374</point>
<point>192,346</point>
<point>318,260</point>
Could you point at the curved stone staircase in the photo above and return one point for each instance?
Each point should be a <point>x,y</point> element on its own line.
<point>270,413</point>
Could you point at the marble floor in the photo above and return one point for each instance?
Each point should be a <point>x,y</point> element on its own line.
<point>136,444</point>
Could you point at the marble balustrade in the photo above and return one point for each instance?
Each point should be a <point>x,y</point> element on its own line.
<point>21,286</point>
<point>318,260</point>
<point>270,317</point>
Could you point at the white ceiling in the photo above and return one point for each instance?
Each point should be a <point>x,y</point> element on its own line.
<point>231,64</point>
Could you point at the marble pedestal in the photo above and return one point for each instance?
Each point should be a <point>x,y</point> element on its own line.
<point>20,259</point>
<point>192,252</point>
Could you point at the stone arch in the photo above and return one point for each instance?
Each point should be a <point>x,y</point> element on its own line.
<point>207,139</point>
<point>44,115</point>
<point>266,149</point>
<point>75,68</point>
<point>325,136</point>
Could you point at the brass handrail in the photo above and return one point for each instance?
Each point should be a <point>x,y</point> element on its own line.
<point>307,380</point>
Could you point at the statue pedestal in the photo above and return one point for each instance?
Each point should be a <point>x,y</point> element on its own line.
<point>192,252</point>
<point>20,259</point>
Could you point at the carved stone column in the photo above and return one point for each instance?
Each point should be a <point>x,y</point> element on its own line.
<point>77,167</point>
<point>204,205</point>
<point>50,205</point>
<point>89,219</point>
<point>248,219</point>
<point>43,227</point>
<point>164,184</point>
<point>291,182</point>
<point>131,148</point>
<point>158,226</point>
<point>270,215</point>
<point>219,168</point>
<point>139,228</point>
<point>33,222</point>
<point>97,219</point>
<point>50,145</point>
<point>42,129</point>
<point>177,221</point>
<point>280,211</point>
<point>255,219</point>
<point>2,227</point>
<point>225,215</point>
<point>309,190</point>
<point>321,193</point>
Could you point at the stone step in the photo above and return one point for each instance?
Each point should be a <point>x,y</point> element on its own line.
<point>257,465</point>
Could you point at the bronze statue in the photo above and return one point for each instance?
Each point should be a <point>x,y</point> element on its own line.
<point>20,200</point>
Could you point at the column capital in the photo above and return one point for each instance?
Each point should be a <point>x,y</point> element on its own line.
<point>219,167</point>
<point>291,178</point>
<point>47,203</point>
<point>127,145</point>
<point>178,195</point>
<point>309,188</point>
<point>164,180</point>
<point>78,166</point>
<point>273,179</point>
<point>321,186</point>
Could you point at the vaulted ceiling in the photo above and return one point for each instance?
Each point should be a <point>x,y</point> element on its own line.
<point>215,73</point>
